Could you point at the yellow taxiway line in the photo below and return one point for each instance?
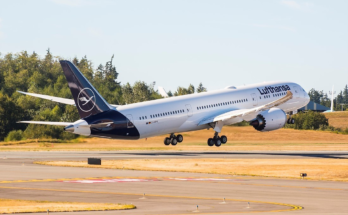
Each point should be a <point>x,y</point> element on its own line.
<point>292,207</point>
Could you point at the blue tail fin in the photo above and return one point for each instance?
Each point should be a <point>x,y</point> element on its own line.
<point>87,99</point>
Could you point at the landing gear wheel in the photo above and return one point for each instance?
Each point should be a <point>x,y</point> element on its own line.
<point>210,142</point>
<point>179,138</point>
<point>174,141</point>
<point>223,139</point>
<point>167,141</point>
<point>292,121</point>
<point>217,142</point>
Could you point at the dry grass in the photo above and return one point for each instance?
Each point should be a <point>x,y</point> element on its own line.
<point>8,206</point>
<point>338,119</point>
<point>239,139</point>
<point>317,169</point>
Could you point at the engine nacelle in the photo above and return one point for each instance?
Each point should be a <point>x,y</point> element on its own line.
<point>269,120</point>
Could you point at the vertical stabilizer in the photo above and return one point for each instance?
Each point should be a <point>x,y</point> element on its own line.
<point>87,99</point>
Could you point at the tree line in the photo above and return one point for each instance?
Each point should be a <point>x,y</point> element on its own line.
<point>30,73</point>
<point>340,101</point>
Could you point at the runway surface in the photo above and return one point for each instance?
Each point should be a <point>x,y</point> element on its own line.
<point>170,192</point>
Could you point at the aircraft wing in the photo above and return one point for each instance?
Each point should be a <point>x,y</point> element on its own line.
<point>47,123</point>
<point>246,114</point>
<point>55,99</point>
<point>162,92</point>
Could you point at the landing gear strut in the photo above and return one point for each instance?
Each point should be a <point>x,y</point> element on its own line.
<point>216,140</point>
<point>291,120</point>
<point>172,139</point>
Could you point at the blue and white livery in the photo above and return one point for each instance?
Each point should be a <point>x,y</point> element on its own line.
<point>264,105</point>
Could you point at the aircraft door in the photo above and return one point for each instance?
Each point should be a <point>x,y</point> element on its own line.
<point>254,99</point>
<point>189,110</point>
<point>130,123</point>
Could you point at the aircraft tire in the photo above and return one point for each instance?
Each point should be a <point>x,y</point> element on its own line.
<point>292,121</point>
<point>223,139</point>
<point>174,141</point>
<point>180,138</point>
<point>210,142</point>
<point>167,141</point>
<point>217,142</point>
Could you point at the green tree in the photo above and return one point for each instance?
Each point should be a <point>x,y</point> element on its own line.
<point>315,95</point>
<point>201,89</point>
<point>310,120</point>
<point>10,113</point>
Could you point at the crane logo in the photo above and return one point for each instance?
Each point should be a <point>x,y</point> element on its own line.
<point>86,100</point>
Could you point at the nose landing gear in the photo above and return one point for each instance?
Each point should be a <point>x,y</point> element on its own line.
<point>216,140</point>
<point>172,139</point>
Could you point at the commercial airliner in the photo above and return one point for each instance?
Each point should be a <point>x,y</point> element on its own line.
<point>264,105</point>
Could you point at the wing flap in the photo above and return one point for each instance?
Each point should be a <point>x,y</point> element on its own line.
<point>247,114</point>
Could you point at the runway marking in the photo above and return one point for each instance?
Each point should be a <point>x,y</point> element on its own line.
<point>92,181</point>
<point>292,207</point>
<point>201,179</point>
<point>149,179</point>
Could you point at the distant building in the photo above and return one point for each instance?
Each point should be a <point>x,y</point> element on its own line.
<point>314,107</point>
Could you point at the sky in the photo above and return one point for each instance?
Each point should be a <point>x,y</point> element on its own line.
<point>178,42</point>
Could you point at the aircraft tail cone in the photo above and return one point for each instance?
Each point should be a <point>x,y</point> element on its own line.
<point>70,128</point>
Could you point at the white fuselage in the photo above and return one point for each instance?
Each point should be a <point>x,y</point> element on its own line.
<point>184,113</point>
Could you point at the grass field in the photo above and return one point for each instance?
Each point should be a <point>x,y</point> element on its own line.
<point>338,119</point>
<point>317,169</point>
<point>8,206</point>
<point>239,139</point>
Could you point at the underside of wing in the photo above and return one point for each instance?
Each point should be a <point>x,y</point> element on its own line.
<point>246,114</point>
<point>47,123</point>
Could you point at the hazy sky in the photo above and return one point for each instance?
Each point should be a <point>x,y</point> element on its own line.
<point>175,43</point>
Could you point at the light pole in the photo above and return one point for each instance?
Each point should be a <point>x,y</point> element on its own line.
<point>332,98</point>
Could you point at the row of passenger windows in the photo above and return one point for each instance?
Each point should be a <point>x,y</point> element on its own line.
<point>274,95</point>
<point>207,106</point>
<point>222,104</point>
<point>163,114</point>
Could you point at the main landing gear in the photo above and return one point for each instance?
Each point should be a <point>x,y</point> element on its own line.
<point>172,139</point>
<point>216,140</point>
<point>291,120</point>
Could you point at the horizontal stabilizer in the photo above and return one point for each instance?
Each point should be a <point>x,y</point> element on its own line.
<point>55,99</point>
<point>47,123</point>
<point>51,98</point>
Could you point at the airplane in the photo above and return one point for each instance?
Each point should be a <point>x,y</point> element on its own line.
<point>265,106</point>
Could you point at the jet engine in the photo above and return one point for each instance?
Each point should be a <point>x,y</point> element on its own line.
<point>269,120</point>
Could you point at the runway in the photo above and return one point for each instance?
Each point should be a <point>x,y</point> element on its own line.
<point>170,192</point>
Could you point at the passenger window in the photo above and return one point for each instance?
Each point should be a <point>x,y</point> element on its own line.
<point>145,117</point>
<point>140,118</point>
